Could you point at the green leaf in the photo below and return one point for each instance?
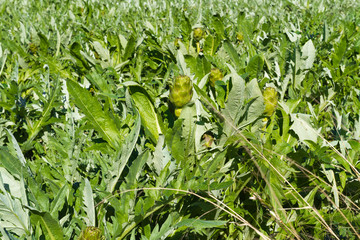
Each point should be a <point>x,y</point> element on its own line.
<point>308,55</point>
<point>103,52</point>
<point>125,151</point>
<point>176,142</point>
<point>236,97</point>
<point>302,127</point>
<point>130,48</point>
<point>222,185</point>
<point>50,226</point>
<point>136,168</point>
<point>75,50</point>
<point>89,207</point>
<point>100,120</point>
<point>43,121</point>
<point>234,56</point>
<point>256,106</point>
<point>161,155</point>
<point>165,230</point>
<point>211,44</point>
<point>12,164</point>
<point>339,53</point>
<point>199,224</point>
<point>255,66</point>
<point>58,202</point>
<point>147,112</point>
<point>216,163</point>
<point>188,115</point>
<point>44,42</point>
<point>16,146</point>
<point>13,216</point>
<point>218,26</point>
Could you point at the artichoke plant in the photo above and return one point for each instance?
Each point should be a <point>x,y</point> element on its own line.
<point>215,75</point>
<point>270,99</point>
<point>91,233</point>
<point>180,92</point>
<point>198,34</point>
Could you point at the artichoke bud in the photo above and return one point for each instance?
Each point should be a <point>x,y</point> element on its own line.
<point>270,99</point>
<point>33,48</point>
<point>215,75</point>
<point>240,36</point>
<point>198,34</point>
<point>181,91</point>
<point>91,233</point>
<point>208,139</point>
<point>176,42</point>
<point>178,112</point>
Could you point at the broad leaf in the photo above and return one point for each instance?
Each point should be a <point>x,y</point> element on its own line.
<point>97,117</point>
<point>147,112</point>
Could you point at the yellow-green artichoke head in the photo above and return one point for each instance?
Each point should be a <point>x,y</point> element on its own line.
<point>198,34</point>
<point>177,112</point>
<point>270,100</point>
<point>240,36</point>
<point>91,233</point>
<point>181,92</point>
<point>208,139</point>
<point>176,42</point>
<point>215,75</point>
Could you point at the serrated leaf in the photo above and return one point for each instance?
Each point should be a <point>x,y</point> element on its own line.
<point>75,50</point>
<point>211,44</point>
<point>50,226</point>
<point>92,109</point>
<point>302,127</point>
<point>104,53</point>
<point>16,146</point>
<point>308,55</point>
<point>182,64</point>
<point>89,207</point>
<point>188,115</point>
<point>161,155</point>
<point>126,150</point>
<point>12,164</point>
<point>44,42</point>
<point>164,231</point>
<point>13,217</point>
<point>43,121</point>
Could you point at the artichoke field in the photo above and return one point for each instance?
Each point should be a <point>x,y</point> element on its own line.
<point>192,119</point>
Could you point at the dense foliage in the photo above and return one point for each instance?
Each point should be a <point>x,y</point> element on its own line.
<point>192,119</point>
